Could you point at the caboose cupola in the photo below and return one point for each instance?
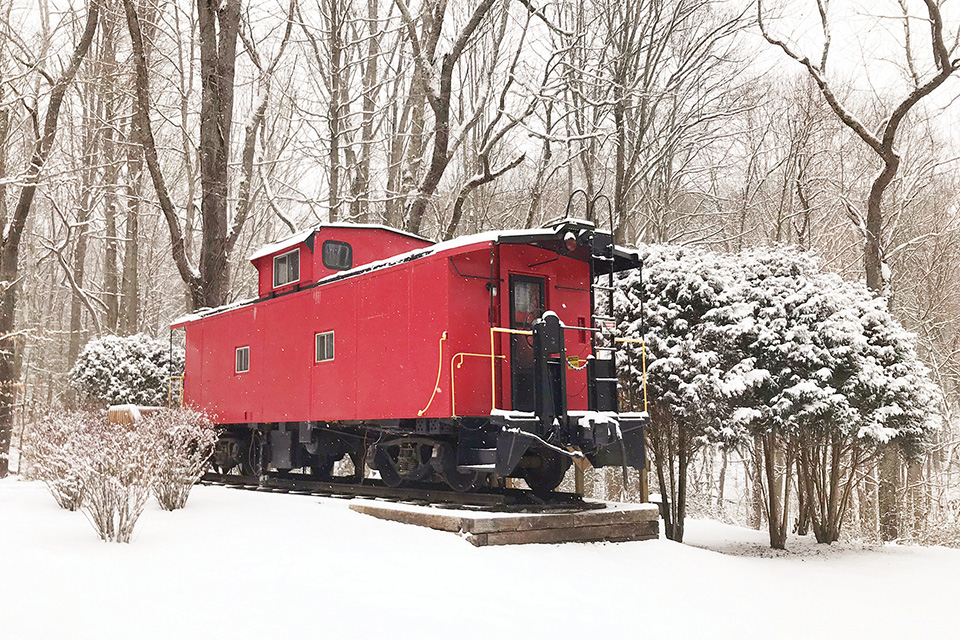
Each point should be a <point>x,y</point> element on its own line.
<point>309,256</point>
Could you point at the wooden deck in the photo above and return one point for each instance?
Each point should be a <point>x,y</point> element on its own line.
<point>610,522</point>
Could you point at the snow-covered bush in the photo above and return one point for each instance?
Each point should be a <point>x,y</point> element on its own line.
<point>185,442</point>
<point>109,470</point>
<point>810,374</point>
<point>118,472</point>
<point>53,450</point>
<point>687,302</point>
<point>836,378</point>
<point>125,370</point>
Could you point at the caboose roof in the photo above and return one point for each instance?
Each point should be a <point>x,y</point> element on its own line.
<point>547,238</point>
<point>306,236</point>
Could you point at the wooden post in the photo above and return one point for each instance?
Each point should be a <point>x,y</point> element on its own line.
<point>580,465</point>
<point>645,483</point>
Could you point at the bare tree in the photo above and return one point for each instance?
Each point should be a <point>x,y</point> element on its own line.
<point>219,25</point>
<point>438,88</point>
<point>882,142</point>
<point>13,231</point>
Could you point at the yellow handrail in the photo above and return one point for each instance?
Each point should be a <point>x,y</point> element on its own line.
<point>436,385</point>
<point>493,360</point>
<point>643,360</point>
<point>170,391</point>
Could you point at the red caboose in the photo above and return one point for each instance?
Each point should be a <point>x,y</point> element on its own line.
<point>460,359</point>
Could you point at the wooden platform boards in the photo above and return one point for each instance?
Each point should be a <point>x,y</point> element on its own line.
<point>611,522</point>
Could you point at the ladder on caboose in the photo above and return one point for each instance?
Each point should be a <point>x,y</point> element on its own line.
<point>605,323</point>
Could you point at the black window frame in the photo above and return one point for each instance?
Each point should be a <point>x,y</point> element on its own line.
<point>236,359</point>
<point>316,346</point>
<point>339,243</point>
<point>284,255</point>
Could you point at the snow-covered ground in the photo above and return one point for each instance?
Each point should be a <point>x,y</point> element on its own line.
<point>239,564</point>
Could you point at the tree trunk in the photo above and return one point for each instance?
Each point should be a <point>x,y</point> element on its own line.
<point>334,108</point>
<point>111,172</point>
<point>778,534</point>
<point>888,502</point>
<point>87,176</point>
<point>219,22</point>
<point>867,494</point>
<point>130,286</point>
<point>804,493</point>
<point>10,246</point>
<point>370,72</point>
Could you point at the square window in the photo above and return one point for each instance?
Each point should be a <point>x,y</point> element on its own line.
<point>286,268</point>
<point>324,346</point>
<point>243,359</point>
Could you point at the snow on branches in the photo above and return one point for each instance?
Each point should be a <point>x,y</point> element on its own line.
<point>125,370</point>
<point>185,443</point>
<point>765,349</point>
<point>765,340</point>
<point>109,470</point>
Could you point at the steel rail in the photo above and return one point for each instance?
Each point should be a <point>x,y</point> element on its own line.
<point>418,493</point>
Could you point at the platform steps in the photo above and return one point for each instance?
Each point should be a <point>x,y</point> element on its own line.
<point>608,522</point>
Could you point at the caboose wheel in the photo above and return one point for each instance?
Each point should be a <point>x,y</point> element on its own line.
<point>386,464</point>
<point>458,481</point>
<point>547,476</point>
<point>401,461</point>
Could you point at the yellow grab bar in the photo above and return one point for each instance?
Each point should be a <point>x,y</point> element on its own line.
<point>643,360</point>
<point>436,385</point>
<point>493,360</point>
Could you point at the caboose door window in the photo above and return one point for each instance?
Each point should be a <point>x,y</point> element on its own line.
<point>526,305</point>
<point>286,268</point>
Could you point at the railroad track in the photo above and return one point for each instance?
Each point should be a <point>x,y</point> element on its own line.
<point>492,499</point>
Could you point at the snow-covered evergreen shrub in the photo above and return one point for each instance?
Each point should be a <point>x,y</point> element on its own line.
<point>764,348</point>
<point>125,370</point>
<point>185,443</point>
<point>837,378</point>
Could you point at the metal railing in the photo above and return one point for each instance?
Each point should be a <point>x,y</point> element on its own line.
<point>456,362</point>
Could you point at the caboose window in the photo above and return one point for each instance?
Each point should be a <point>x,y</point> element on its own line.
<point>286,268</point>
<point>324,346</point>
<point>337,255</point>
<point>243,359</point>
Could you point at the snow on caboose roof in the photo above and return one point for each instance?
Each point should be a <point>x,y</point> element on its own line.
<point>495,237</point>
<point>302,236</point>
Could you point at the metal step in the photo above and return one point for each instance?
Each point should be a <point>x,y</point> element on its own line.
<point>474,457</point>
<point>477,467</point>
<point>603,258</point>
<point>598,317</point>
